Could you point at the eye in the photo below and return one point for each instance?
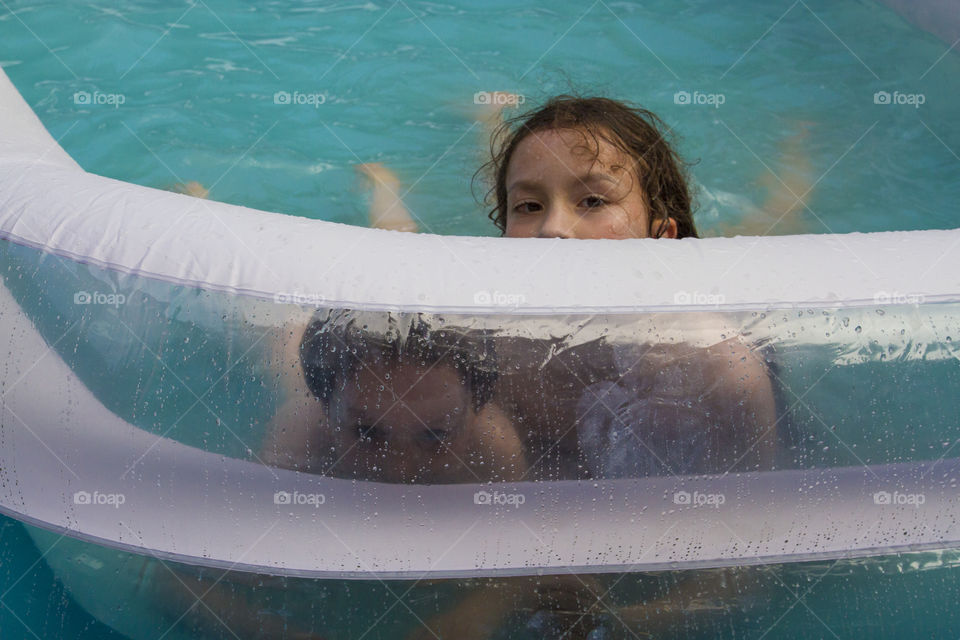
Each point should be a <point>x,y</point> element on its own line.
<point>434,436</point>
<point>368,433</point>
<point>592,202</point>
<point>527,207</point>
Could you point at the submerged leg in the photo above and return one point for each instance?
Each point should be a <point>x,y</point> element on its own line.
<point>191,188</point>
<point>788,192</point>
<point>490,114</point>
<point>387,210</point>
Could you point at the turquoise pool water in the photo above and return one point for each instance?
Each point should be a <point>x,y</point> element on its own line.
<point>397,82</point>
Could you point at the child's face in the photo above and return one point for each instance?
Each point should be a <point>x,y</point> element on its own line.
<point>556,190</point>
<point>402,422</point>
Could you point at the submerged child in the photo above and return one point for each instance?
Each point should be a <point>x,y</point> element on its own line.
<point>393,399</point>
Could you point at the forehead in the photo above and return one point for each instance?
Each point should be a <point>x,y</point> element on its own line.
<point>574,149</point>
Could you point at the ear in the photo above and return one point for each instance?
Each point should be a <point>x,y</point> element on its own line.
<point>665,228</point>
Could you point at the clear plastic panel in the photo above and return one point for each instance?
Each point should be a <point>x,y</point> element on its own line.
<point>420,398</point>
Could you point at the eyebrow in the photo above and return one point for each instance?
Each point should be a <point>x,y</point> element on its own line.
<point>590,177</point>
<point>433,422</point>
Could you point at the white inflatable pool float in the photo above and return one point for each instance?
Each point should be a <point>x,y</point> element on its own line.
<point>183,503</point>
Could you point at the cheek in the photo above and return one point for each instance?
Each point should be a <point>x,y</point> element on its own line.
<point>639,217</point>
<point>638,228</point>
<point>628,221</point>
<point>613,224</point>
<point>519,227</point>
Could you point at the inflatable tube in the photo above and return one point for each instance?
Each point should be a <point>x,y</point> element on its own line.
<point>77,460</point>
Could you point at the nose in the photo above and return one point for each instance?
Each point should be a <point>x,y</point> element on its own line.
<point>558,222</point>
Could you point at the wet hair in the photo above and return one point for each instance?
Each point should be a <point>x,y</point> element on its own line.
<point>631,129</point>
<point>336,343</point>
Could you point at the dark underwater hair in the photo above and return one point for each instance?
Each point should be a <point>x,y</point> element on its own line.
<point>336,343</point>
